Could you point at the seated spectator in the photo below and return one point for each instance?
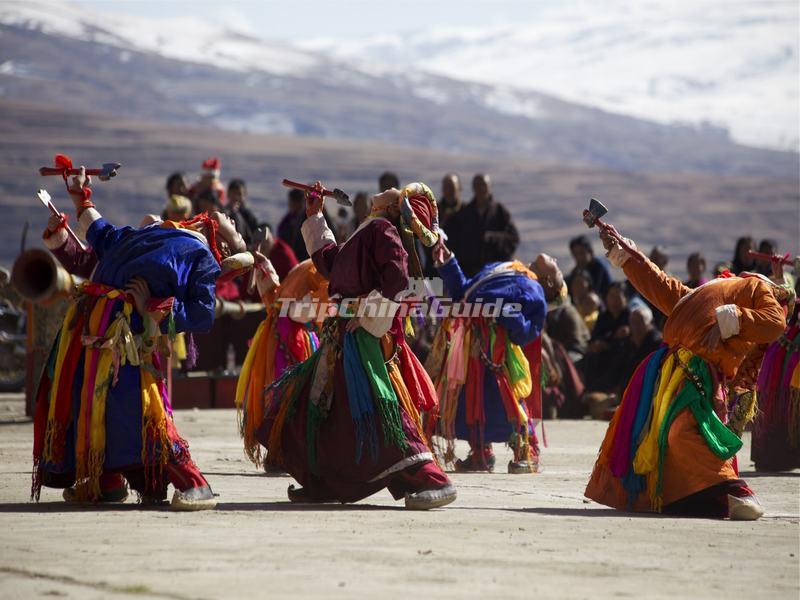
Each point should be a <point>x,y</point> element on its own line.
<point>237,209</point>
<point>603,361</point>
<point>207,201</point>
<point>644,338</point>
<point>720,268</point>
<point>696,268</point>
<point>585,260</point>
<point>564,323</point>
<point>589,308</point>
<point>208,180</point>
<point>564,342</point>
<point>580,290</point>
<point>659,258</point>
<point>742,261</point>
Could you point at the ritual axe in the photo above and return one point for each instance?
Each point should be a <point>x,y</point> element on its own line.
<point>64,168</point>
<point>44,198</point>
<point>336,194</point>
<point>592,217</point>
<point>783,260</point>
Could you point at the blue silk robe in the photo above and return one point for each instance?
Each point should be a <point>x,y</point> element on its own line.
<point>175,264</point>
<point>491,283</point>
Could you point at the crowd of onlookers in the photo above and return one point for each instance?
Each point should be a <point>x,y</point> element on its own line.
<point>480,231</point>
<point>598,328</point>
<point>602,329</point>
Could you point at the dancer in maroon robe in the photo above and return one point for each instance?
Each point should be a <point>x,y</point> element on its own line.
<point>346,422</point>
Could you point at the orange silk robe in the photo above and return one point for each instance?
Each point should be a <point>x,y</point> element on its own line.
<point>691,312</point>
<point>689,465</point>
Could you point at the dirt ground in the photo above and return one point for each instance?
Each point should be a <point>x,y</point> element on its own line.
<point>507,536</point>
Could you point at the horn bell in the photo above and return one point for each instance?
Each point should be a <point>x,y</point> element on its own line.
<point>39,277</point>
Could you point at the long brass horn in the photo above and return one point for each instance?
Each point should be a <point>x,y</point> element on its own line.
<point>237,310</point>
<point>39,277</point>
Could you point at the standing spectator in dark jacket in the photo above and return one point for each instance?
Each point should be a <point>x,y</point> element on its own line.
<point>279,253</point>
<point>742,261</point>
<point>450,200</point>
<point>177,185</point>
<point>448,205</point>
<point>361,207</point>
<point>289,227</point>
<point>237,209</point>
<point>387,181</point>
<point>482,231</point>
<point>585,260</point>
<point>767,246</point>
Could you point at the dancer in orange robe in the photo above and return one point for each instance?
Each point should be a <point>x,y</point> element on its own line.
<point>668,448</point>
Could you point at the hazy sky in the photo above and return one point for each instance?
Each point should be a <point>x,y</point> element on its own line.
<point>733,63</point>
<point>288,19</point>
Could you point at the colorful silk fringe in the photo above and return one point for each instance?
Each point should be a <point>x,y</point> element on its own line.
<point>663,385</point>
<point>97,330</point>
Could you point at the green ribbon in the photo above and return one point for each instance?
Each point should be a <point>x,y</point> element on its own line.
<point>516,370</point>
<point>369,348</point>
<point>721,440</point>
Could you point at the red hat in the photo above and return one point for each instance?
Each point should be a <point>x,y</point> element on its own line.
<point>211,166</point>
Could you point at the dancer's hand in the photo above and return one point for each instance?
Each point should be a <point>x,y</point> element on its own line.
<point>777,269</point>
<point>314,200</point>
<point>441,253</point>
<point>353,324</point>
<point>54,222</point>
<point>137,287</point>
<point>607,237</point>
<point>80,190</point>
<point>712,338</point>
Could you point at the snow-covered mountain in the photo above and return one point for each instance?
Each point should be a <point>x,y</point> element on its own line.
<point>192,71</point>
<point>732,63</point>
<point>181,38</point>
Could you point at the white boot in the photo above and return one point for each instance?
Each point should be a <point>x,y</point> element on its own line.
<point>744,509</point>
<point>197,498</point>
<point>431,498</point>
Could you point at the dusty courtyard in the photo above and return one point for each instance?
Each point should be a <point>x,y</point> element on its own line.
<point>505,537</point>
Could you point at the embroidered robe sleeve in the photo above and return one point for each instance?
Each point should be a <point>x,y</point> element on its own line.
<point>453,278</point>
<point>193,307</point>
<point>75,260</point>
<point>320,243</point>
<point>525,325</point>
<point>657,287</point>
<point>761,318</point>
